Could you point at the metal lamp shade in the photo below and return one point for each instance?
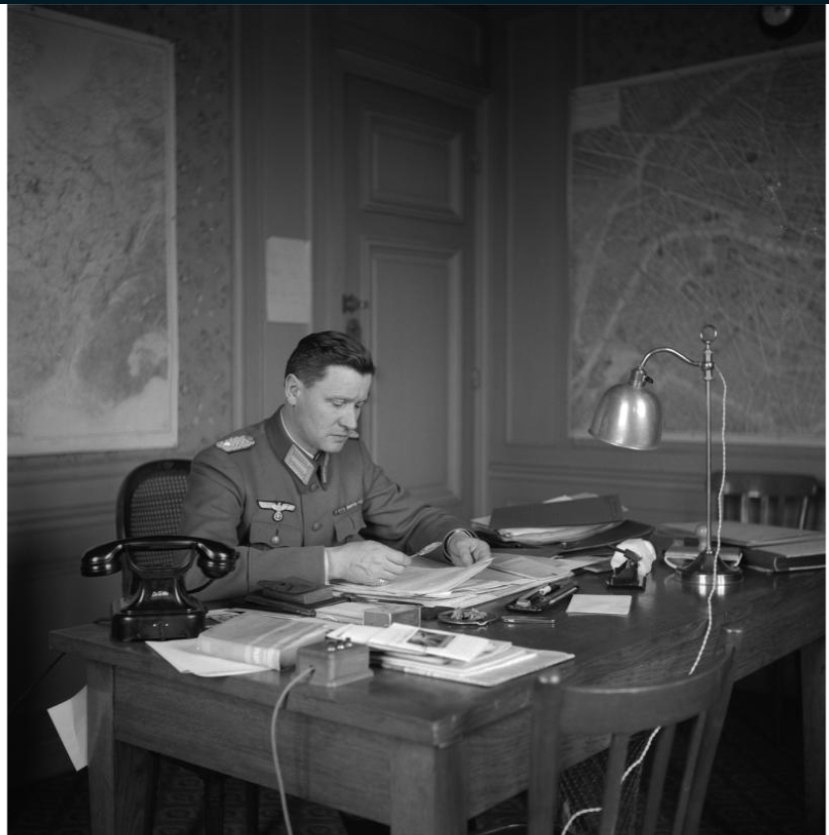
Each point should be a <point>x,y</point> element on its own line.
<point>629,415</point>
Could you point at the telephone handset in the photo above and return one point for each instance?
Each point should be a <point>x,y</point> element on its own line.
<point>160,608</point>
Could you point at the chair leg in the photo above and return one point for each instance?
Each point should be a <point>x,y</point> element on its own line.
<point>251,808</point>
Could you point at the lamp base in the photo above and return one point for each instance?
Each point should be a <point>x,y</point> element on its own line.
<point>708,570</point>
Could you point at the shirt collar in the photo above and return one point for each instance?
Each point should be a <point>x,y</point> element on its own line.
<point>303,465</point>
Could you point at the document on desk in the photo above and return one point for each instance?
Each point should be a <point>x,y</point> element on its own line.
<point>423,577</point>
<point>599,604</point>
<point>405,639</point>
<point>184,656</point>
<point>488,670</point>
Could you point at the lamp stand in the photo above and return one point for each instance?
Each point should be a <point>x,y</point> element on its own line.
<point>708,569</point>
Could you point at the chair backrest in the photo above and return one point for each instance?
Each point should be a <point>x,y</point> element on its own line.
<point>150,498</point>
<point>769,498</point>
<point>689,711</point>
<point>149,504</point>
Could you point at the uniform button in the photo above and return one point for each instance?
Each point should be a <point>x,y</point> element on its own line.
<point>313,487</point>
<point>275,539</point>
<point>316,526</point>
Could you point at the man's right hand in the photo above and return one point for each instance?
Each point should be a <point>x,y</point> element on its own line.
<point>365,562</point>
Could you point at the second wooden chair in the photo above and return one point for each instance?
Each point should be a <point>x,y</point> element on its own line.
<point>690,709</point>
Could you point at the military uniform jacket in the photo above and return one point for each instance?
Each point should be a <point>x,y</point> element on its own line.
<point>258,491</point>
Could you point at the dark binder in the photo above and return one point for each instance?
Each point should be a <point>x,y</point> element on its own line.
<point>592,510</point>
<point>790,556</point>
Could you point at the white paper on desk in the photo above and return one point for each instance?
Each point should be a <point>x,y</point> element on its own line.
<point>69,719</point>
<point>599,604</point>
<point>182,654</point>
<point>422,577</point>
<point>540,568</point>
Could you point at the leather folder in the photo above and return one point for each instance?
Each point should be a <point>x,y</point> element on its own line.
<point>591,510</point>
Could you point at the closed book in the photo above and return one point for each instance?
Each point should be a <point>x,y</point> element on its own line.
<point>589,510</point>
<point>262,639</point>
<point>790,556</point>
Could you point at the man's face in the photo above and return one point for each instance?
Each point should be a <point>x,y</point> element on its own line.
<point>324,415</point>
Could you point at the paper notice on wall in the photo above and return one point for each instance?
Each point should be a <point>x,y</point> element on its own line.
<point>69,719</point>
<point>288,280</point>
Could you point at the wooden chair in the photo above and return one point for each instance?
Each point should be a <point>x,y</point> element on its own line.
<point>689,710</point>
<point>149,504</point>
<point>769,498</point>
<point>791,501</point>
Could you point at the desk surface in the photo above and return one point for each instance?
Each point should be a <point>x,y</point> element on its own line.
<point>407,749</point>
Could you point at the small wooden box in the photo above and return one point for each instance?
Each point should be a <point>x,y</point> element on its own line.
<point>334,665</point>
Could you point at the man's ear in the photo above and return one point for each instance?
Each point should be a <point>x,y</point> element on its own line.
<point>293,387</point>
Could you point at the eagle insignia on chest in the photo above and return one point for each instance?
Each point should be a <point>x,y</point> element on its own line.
<point>279,508</point>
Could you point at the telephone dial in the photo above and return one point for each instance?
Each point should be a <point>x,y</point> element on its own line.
<point>159,608</point>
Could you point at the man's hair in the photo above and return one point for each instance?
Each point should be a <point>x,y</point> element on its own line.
<point>317,351</point>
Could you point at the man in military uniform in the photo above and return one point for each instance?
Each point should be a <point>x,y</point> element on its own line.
<point>299,495</point>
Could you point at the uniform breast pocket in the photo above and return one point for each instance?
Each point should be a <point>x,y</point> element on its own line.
<point>265,530</point>
<point>347,526</point>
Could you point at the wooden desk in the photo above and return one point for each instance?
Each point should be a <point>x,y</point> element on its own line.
<point>419,753</point>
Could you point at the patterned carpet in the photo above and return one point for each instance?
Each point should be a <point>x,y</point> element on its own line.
<point>756,790</point>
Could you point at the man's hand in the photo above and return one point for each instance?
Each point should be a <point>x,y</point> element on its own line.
<point>464,549</point>
<point>365,562</point>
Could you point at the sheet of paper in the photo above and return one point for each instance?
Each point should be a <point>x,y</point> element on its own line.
<point>599,604</point>
<point>288,280</point>
<point>69,719</point>
<point>539,568</point>
<point>184,656</point>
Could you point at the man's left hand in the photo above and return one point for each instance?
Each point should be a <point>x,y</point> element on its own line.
<point>463,549</point>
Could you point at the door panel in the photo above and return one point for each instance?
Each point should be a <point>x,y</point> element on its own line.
<point>416,400</point>
<point>410,260</point>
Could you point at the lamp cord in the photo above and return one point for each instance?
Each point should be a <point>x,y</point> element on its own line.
<point>709,617</point>
<point>305,674</point>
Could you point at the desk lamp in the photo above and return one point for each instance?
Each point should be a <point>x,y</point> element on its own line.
<point>630,416</point>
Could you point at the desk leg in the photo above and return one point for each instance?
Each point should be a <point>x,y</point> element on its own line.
<point>427,792</point>
<point>117,772</point>
<point>813,682</point>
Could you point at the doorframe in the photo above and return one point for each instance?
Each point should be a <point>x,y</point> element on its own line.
<point>330,65</point>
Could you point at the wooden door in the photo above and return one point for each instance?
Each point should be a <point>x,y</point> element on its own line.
<point>409,282</point>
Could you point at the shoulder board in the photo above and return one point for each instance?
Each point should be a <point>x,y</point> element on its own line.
<point>235,443</point>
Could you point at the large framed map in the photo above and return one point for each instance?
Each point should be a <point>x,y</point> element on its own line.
<point>92,330</point>
<point>696,197</point>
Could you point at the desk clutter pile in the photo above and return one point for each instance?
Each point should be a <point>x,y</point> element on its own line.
<point>244,641</point>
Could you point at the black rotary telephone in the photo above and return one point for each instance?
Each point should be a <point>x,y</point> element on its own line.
<point>159,608</point>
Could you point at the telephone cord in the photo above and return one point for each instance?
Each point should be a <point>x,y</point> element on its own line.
<point>709,618</point>
<point>298,679</point>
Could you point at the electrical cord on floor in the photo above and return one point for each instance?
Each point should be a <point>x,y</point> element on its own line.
<point>298,679</point>
<point>709,616</point>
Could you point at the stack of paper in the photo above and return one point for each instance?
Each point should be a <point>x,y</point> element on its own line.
<point>423,577</point>
<point>242,641</point>
<point>432,584</point>
<point>457,657</point>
